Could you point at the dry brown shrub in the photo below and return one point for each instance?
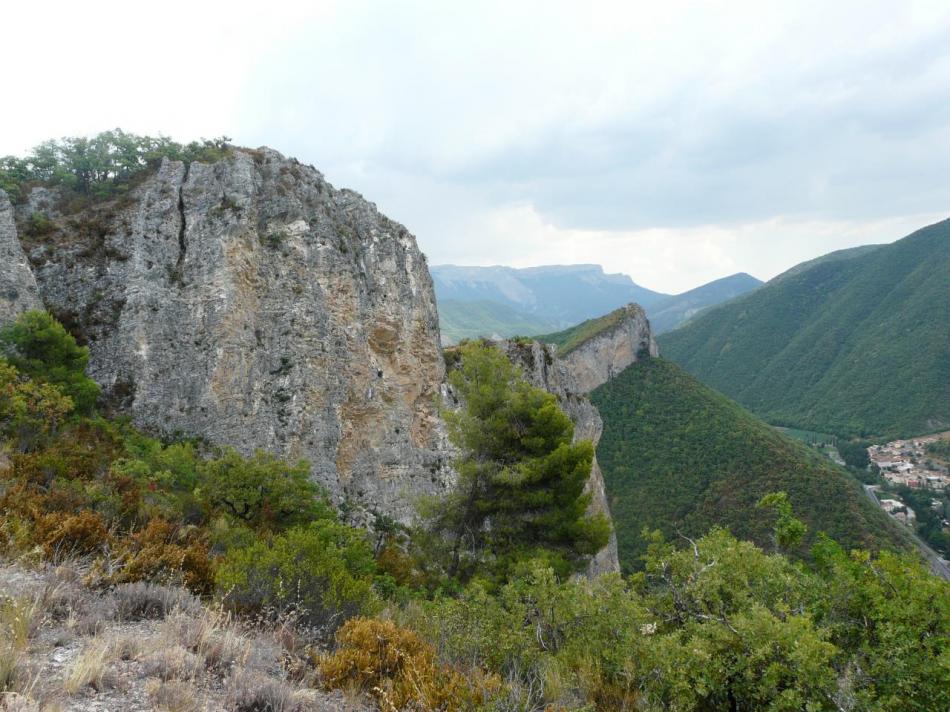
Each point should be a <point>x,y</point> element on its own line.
<point>211,636</point>
<point>174,696</point>
<point>71,534</point>
<point>253,692</point>
<point>163,551</point>
<point>172,663</point>
<point>399,669</point>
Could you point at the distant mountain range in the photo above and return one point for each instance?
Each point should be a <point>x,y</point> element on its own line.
<point>504,301</point>
<point>672,312</point>
<point>856,342</point>
<point>680,457</point>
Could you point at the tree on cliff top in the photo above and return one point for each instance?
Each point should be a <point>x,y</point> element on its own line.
<point>521,481</point>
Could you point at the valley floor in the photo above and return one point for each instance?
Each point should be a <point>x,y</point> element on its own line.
<point>937,563</point>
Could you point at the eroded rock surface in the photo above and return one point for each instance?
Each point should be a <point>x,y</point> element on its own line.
<point>251,303</point>
<point>603,356</point>
<point>18,291</point>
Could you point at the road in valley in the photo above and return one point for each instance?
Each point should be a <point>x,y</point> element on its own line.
<point>937,564</point>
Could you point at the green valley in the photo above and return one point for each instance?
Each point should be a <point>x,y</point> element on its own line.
<point>460,320</point>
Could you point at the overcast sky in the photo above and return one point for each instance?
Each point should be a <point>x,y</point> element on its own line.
<point>676,142</point>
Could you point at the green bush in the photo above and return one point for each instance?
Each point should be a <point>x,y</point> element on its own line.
<point>715,624</point>
<point>101,166</point>
<point>39,347</point>
<point>31,413</point>
<point>322,572</point>
<point>262,491</point>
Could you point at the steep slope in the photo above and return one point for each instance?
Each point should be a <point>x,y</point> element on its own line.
<point>674,311</point>
<point>464,320</point>
<point>560,294</point>
<point>679,457</point>
<point>854,343</point>
<point>17,285</point>
<point>598,349</point>
<point>249,302</point>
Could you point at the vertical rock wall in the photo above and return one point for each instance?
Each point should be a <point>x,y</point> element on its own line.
<point>18,291</point>
<point>252,304</point>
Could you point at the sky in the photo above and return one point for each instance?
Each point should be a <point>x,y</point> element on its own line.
<point>675,142</point>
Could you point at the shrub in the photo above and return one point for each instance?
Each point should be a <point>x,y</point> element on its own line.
<point>39,224</point>
<point>38,346</point>
<point>323,571</point>
<point>165,552</point>
<point>398,668</point>
<point>143,601</point>
<point>253,692</point>
<point>72,534</point>
<point>175,696</point>
<point>261,491</point>
<point>30,412</point>
<point>172,663</point>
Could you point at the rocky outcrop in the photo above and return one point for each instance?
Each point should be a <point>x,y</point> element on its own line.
<point>18,291</point>
<point>252,304</point>
<point>249,303</point>
<point>610,351</point>
<point>542,369</point>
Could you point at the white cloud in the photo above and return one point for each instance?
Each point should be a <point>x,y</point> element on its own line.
<point>668,259</point>
<point>677,140</point>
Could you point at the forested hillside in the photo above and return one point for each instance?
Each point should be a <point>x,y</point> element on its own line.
<point>679,457</point>
<point>857,343</point>
<point>673,311</point>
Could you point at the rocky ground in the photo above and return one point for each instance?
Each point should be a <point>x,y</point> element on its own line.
<point>66,645</point>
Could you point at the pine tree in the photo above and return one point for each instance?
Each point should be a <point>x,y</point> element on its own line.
<point>521,483</point>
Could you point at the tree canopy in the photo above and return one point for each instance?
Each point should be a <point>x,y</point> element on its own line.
<point>521,479</point>
<point>100,165</point>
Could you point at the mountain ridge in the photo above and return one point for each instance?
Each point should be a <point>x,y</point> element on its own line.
<point>677,309</point>
<point>561,296</point>
<point>854,343</point>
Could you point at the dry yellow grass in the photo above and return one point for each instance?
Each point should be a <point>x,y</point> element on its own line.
<point>89,669</point>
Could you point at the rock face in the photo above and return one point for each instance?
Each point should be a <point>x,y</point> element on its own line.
<point>544,370</point>
<point>17,285</point>
<point>603,356</point>
<point>251,303</point>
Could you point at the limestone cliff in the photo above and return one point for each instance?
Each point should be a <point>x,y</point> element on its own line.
<point>250,303</point>
<point>17,285</point>
<point>542,369</point>
<point>610,351</point>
